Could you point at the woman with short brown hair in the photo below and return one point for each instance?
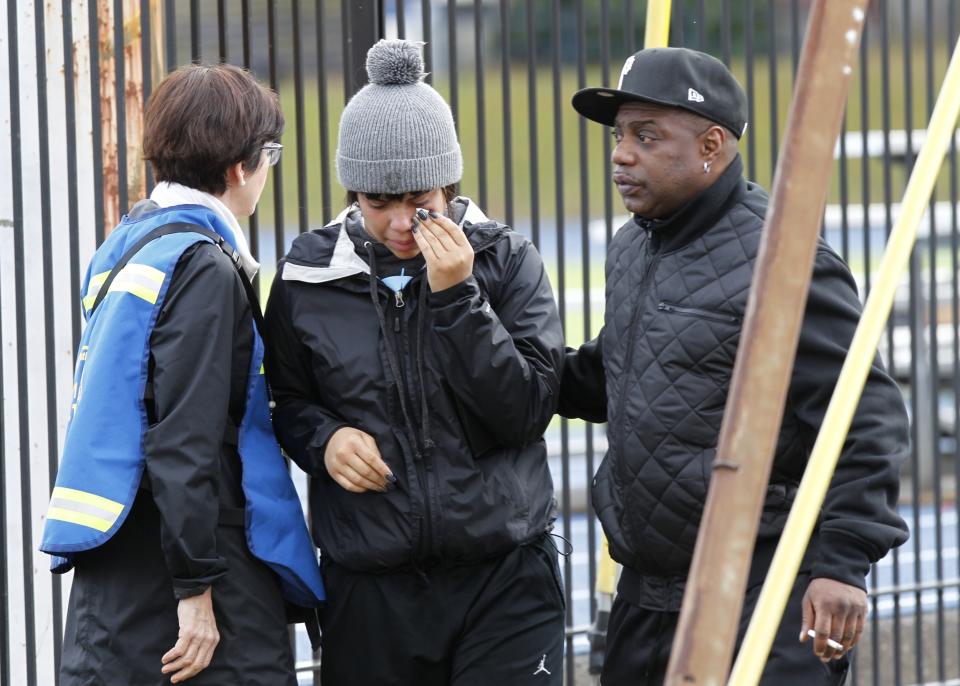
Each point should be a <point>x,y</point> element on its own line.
<point>172,503</point>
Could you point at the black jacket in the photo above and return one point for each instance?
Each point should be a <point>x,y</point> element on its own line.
<point>177,540</point>
<point>456,388</point>
<point>676,295</point>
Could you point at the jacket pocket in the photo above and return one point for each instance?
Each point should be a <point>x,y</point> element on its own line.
<point>698,312</point>
<point>544,550</point>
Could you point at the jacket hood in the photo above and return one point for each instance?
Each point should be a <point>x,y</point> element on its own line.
<point>328,254</point>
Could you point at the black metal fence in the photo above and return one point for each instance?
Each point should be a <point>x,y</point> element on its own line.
<point>76,75</point>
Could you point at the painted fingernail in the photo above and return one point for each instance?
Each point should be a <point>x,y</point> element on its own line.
<point>423,214</point>
<point>415,225</point>
<point>391,478</point>
<point>434,214</point>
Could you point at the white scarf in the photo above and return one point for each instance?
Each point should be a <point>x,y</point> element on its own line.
<point>168,194</point>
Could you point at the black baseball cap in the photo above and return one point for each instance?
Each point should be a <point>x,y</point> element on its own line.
<point>674,77</point>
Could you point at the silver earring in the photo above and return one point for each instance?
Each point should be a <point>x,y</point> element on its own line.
<point>706,167</point>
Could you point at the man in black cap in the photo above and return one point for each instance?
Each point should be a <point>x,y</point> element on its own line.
<point>678,276</point>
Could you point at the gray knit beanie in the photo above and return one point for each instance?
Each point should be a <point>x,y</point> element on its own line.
<point>397,133</point>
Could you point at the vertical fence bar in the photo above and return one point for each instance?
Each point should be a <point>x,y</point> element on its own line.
<point>887,161</point>
<point>560,210</point>
<point>222,31</point>
<point>4,581</point>
<point>302,217</point>
<point>5,642</point>
<point>120,82</point>
<point>866,228</point>
<point>362,27</point>
<point>916,331</point>
<point>888,223</point>
<point>73,212</point>
<point>253,223</point>
<point>452,60</point>
<point>933,400</point>
<point>795,34</point>
<point>505,74</point>
<point>748,44</point>
<point>245,31</point>
<point>933,324</point>
<point>585,279</point>
<point>48,306</point>
<point>702,25</point>
<point>481,100</point>
<point>772,72</point>
<point>170,37</point>
<point>725,43</point>
<point>278,227</point>
<point>865,157</point>
<point>677,21</point>
<point>146,60</point>
<point>195,49</point>
<point>19,240</point>
<point>426,18</point>
<point>844,195</point>
<point>607,180</point>
<point>326,209</point>
<point>96,116</point>
<point>532,120</point>
<point>401,20</point>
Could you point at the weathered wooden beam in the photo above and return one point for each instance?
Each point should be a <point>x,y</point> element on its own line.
<point>704,641</point>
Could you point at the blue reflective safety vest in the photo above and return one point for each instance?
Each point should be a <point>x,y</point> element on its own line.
<point>103,457</point>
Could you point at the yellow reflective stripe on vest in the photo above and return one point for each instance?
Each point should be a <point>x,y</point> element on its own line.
<point>140,280</point>
<point>85,509</point>
<point>96,281</point>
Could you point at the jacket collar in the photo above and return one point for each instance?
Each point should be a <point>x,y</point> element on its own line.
<point>701,213</point>
<point>311,260</point>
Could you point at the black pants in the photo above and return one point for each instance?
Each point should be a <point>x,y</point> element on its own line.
<point>122,615</point>
<point>496,622</point>
<point>639,642</point>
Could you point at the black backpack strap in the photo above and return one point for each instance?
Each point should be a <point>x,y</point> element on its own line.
<point>183,227</point>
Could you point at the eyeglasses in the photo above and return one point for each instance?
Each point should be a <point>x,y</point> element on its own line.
<point>273,152</point>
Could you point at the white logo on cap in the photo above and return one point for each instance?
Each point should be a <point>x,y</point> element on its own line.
<point>694,96</point>
<point>627,66</point>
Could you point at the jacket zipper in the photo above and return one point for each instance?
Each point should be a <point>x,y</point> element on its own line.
<point>422,476</point>
<point>653,259</point>
<point>697,312</point>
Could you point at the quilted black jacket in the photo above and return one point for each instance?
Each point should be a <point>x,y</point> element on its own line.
<point>676,295</point>
<point>460,423</point>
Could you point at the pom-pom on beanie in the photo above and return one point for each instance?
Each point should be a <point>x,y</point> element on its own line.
<point>397,133</point>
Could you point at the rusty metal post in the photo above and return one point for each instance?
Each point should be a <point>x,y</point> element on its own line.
<point>703,645</point>
<point>108,116</point>
<point>133,97</point>
<point>133,105</point>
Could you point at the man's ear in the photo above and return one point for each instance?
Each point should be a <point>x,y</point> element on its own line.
<point>235,175</point>
<point>713,142</point>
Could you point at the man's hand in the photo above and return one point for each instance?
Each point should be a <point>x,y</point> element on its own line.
<point>353,460</point>
<point>447,252</point>
<point>197,639</point>
<point>836,611</point>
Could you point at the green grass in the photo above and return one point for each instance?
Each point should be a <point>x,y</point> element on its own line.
<point>560,162</point>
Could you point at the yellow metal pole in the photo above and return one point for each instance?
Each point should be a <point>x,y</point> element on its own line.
<point>846,396</point>
<point>658,24</point>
